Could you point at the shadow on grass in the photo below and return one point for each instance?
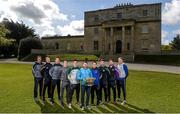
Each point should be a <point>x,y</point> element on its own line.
<point>107,108</point>
<point>56,108</point>
<point>139,109</point>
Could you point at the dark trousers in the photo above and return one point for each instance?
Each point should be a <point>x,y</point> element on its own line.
<point>66,86</point>
<point>54,84</point>
<point>102,86</point>
<point>38,82</point>
<point>121,84</point>
<point>47,84</point>
<point>87,90</point>
<point>112,85</point>
<point>77,88</point>
<point>95,88</point>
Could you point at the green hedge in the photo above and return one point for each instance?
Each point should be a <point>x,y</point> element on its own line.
<point>32,57</point>
<point>70,57</point>
<point>158,59</point>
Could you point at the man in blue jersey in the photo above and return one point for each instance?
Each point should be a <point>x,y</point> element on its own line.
<point>96,87</point>
<point>121,80</point>
<point>83,74</point>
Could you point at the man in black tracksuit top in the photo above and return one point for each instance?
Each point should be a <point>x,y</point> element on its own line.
<point>112,80</point>
<point>38,78</point>
<point>55,73</point>
<point>103,80</point>
<point>47,78</point>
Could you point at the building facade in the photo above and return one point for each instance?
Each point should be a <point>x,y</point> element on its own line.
<point>123,29</point>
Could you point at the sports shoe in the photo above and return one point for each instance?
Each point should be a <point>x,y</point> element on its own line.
<point>70,105</point>
<point>82,108</point>
<point>77,103</point>
<point>36,99</point>
<point>52,103</point>
<point>89,107</point>
<point>124,102</point>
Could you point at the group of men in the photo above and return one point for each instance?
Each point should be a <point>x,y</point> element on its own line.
<point>106,78</point>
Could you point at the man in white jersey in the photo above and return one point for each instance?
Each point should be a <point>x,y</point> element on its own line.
<point>121,80</point>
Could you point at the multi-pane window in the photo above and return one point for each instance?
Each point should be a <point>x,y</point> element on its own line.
<point>144,44</point>
<point>96,30</point>
<point>119,15</point>
<point>128,46</point>
<point>68,46</point>
<point>144,29</point>
<point>81,46</point>
<point>109,46</point>
<point>145,12</point>
<point>96,45</point>
<point>96,18</point>
<point>57,45</point>
<point>128,30</point>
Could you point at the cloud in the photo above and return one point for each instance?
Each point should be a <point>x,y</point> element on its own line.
<point>76,27</point>
<point>164,35</point>
<point>39,14</point>
<point>171,12</point>
<point>30,11</point>
<point>176,31</point>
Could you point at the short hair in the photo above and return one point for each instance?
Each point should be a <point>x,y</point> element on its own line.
<point>101,59</point>
<point>38,56</point>
<point>47,57</point>
<point>57,58</point>
<point>94,62</point>
<point>110,59</point>
<point>121,58</point>
<point>85,62</point>
<point>75,60</point>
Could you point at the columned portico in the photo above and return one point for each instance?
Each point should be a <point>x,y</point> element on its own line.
<point>115,37</point>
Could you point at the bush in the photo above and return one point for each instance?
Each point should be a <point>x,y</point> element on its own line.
<point>26,45</point>
<point>71,57</point>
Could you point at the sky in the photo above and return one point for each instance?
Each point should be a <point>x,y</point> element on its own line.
<point>63,17</point>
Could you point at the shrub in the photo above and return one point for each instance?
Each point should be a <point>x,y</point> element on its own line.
<point>26,45</point>
<point>158,59</point>
<point>71,57</point>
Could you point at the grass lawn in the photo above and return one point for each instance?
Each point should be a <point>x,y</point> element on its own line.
<point>146,92</point>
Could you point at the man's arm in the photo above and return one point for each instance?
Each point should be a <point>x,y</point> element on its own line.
<point>33,70</point>
<point>126,70</point>
<point>79,75</point>
<point>116,73</point>
<point>51,71</point>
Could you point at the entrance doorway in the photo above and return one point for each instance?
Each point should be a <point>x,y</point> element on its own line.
<point>118,46</point>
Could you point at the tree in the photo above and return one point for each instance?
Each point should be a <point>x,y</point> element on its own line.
<point>176,42</point>
<point>166,47</point>
<point>6,45</point>
<point>3,40</point>
<point>26,45</point>
<point>18,30</point>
